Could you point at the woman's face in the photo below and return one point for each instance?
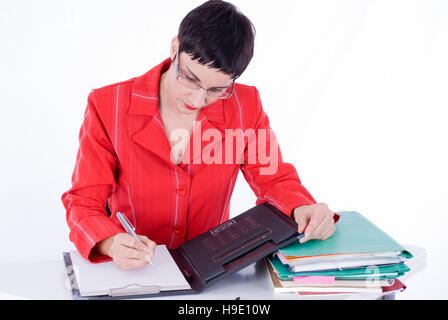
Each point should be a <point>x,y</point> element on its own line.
<point>188,101</point>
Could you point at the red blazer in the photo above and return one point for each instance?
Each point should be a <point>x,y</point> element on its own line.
<point>124,161</point>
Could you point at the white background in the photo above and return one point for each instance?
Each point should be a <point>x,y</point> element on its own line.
<point>356,92</point>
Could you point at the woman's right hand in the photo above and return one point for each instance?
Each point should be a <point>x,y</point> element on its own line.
<point>126,251</point>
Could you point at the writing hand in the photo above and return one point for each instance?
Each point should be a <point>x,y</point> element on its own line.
<point>126,251</point>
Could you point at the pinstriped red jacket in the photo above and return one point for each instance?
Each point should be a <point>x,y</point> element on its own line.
<point>124,162</point>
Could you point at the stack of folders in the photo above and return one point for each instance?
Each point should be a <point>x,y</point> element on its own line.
<point>358,258</point>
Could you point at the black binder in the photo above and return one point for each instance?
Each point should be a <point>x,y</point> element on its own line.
<point>227,248</point>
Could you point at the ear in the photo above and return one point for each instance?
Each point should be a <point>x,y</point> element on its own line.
<point>174,47</point>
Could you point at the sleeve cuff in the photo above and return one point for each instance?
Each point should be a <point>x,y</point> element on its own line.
<point>87,233</point>
<point>336,217</point>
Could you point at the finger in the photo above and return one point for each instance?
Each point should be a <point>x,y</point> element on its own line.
<point>147,242</point>
<point>322,218</point>
<point>323,232</point>
<point>318,214</point>
<point>131,253</point>
<point>325,225</point>
<point>309,232</point>
<point>302,218</point>
<point>313,225</point>
<point>313,235</point>
<point>125,252</point>
<point>132,242</point>
<point>329,233</point>
<point>129,247</point>
<point>151,245</point>
<point>125,239</point>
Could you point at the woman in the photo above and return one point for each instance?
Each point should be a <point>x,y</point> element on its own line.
<point>160,148</point>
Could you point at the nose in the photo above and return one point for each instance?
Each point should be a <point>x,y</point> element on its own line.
<point>199,97</point>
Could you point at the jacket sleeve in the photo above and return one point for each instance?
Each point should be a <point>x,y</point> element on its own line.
<point>92,181</point>
<point>271,179</point>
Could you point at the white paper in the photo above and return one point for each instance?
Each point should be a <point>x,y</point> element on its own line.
<point>99,278</point>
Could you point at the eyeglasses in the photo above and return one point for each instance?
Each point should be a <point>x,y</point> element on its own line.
<point>212,93</point>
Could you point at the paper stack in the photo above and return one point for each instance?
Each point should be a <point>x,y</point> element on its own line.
<point>357,258</point>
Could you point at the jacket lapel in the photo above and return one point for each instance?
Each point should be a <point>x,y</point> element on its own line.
<point>153,138</point>
<point>145,102</point>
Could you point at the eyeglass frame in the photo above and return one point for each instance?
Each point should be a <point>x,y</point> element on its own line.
<point>225,95</point>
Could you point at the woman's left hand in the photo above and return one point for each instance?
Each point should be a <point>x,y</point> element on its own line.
<point>315,220</point>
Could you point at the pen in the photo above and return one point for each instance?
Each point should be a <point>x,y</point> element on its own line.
<point>129,228</point>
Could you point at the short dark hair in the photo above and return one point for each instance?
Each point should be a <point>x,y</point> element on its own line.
<point>218,35</point>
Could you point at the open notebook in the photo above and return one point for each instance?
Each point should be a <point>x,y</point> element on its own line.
<point>106,279</point>
<point>196,264</point>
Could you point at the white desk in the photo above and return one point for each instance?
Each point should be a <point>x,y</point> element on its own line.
<point>48,280</point>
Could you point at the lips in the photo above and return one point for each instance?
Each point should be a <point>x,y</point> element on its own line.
<point>190,107</point>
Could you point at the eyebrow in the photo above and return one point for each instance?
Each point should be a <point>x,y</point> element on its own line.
<point>197,79</point>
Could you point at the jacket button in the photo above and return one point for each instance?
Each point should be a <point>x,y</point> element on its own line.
<point>181,191</point>
<point>178,230</point>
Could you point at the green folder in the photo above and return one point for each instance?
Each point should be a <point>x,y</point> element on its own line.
<point>354,234</point>
<point>373,272</point>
